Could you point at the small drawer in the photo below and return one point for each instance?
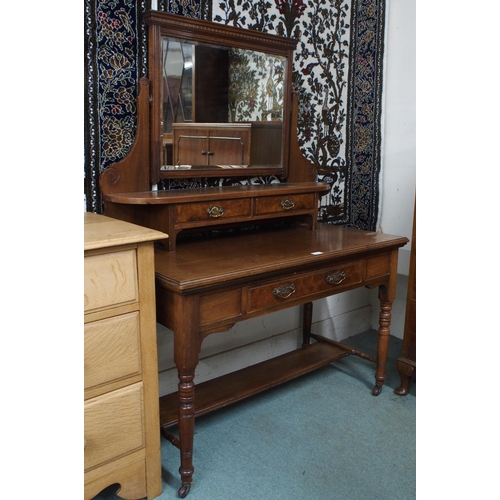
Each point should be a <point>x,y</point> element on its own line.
<point>214,210</point>
<point>298,287</point>
<point>110,279</point>
<point>283,204</point>
<point>113,425</point>
<point>112,349</point>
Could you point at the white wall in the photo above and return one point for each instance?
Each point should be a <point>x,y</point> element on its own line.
<point>347,314</point>
<point>399,125</point>
<point>398,178</point>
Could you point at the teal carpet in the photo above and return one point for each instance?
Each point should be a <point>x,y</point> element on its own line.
<point>320,437</point>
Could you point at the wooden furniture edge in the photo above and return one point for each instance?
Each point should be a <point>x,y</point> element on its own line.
<point>166,197</point>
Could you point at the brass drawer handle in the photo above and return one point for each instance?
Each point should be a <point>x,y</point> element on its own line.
<point>215,211</point>
<point>287,204</point>
<point>284,291</point>
<point>336,278</point>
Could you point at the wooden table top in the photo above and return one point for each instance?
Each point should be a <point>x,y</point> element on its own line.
<point>102,232</point>
<point>208,262</point>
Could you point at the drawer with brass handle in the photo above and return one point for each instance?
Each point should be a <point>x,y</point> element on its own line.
<point>303,285</point>
<point>225,209</point>
<point>283,204</point>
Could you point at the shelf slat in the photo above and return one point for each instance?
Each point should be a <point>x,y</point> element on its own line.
<point>222,391</point>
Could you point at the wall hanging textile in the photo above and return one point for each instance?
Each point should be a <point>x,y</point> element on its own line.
<point>337,73</point>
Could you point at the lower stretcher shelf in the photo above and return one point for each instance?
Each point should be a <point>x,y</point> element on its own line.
<point>233,387</point>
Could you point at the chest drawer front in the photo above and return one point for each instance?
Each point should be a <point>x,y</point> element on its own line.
<point>110,279</point>
<point>112,349</point>
<point>113,425</point>
<point>209,211</point>
<point>284,204</point>
<point>297,287</point>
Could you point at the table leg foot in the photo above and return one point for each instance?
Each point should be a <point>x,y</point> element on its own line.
<point>377,390</point>
<point>184,490</point>
<point>406,369</point>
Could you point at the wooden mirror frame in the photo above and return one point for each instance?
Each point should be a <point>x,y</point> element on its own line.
<point>161,24</point>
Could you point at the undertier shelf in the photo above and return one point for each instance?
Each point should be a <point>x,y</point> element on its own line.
<point>222,391</point>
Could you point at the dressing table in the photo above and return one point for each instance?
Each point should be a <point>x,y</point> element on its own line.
<point>235,252</point>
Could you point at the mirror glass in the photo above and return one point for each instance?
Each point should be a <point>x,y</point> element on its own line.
<point>177,83</point>
<point>205,84</point>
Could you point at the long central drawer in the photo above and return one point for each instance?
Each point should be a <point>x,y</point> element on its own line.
<point>298,287</point>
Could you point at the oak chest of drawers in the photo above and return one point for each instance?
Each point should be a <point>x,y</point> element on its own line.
<point>121,425</point>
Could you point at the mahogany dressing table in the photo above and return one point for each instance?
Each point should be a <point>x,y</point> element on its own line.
<point>206,285</point>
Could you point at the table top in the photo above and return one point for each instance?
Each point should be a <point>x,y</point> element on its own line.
<point>102,232</point>
<point>209,262</point>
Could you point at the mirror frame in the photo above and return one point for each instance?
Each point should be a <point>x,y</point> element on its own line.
<point>161,24</point>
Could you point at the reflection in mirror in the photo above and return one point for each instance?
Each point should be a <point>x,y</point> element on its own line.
<point>207,91</point>
<point>256,84</point>
<point>208,84</point>
<point>177,83</point>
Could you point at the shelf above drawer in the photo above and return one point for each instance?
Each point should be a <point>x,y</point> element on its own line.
<point>175,196</point>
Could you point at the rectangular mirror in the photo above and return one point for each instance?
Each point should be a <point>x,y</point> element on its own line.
<point>220,99</point>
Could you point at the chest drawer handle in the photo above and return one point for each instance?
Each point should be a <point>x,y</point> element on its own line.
<point>284,291</point>
<point>336,278</point>
<point>215,212</point>
<point>287,204</point>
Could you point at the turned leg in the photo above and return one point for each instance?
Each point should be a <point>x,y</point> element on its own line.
<point>186,430</point>
<point>383,340</point>
<point>187,345</point>
<point>307,311</point>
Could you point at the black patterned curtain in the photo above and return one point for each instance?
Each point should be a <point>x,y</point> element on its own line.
<point>337,73</point>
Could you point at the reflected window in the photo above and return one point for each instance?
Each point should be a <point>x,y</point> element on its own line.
<point>177,98</point>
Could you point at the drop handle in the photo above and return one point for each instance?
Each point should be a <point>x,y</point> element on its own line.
<point>284,291</point>
<point>287,204</point>
<point>215,211</point>
<point>336,278</point>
